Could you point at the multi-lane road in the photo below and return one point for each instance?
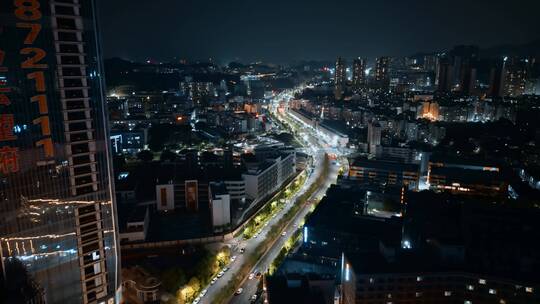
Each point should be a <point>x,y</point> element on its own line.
<point>250,244</point>
<point>317,149</point>
<point>249,286</point>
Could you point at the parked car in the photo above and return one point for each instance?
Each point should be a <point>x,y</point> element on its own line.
<point>239,291</point>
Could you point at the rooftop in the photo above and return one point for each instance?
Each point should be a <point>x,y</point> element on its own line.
<point>384,164</point>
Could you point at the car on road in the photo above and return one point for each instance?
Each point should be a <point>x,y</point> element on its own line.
<point>196,301</point>
<point>284,233</point>
<point>220,274</point>
<point>253,298</point>
<point>242,250</point>
<point>203,292</point>
<point>239,291</point>
<point>213,281</point>
<point>233,258</point>
<point>225,269</point>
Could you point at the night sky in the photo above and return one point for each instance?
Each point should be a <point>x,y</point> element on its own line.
<point>289,30</point>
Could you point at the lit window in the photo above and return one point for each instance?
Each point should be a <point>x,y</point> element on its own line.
<point>529,289</point>
<point>418,279</point>
<point>371,280</point>
<point>492,291</point>
<point>418,294</point>
<point>470,287</point>
<point>482,281</point>
<point>502,301</point>
<point>447,293</point>
<point>467,302</point>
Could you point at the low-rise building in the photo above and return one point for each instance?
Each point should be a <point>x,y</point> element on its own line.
<point>340,222</point>
<point>128,141</point>
<point>266,177</point>
<point>385,172</point>
<point>186,195</point>
<point>220,206</point>
<point>419,279</point>
<point>136,225</point>
<point>139,286</point>
<point>467,178</point>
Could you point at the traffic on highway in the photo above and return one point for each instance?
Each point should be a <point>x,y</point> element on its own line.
<point>251,290</point>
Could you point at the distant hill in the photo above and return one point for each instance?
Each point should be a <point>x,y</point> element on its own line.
<point>528,49</point>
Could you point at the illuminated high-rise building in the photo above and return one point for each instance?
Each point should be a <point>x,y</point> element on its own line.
<point>57,226</point>
<point>382,76</point>
<point>340,78</point>
<point>359,74</point>
<point>515,76</point>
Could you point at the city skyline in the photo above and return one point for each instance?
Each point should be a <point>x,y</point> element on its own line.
<point>302,152</point>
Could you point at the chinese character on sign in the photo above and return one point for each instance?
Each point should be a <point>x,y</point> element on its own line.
<point>6,127</point>
<point>4,100</point>
<point>9,160</point>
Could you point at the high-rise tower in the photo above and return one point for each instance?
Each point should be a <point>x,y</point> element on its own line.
<point>57,216</point>
<point>382,76</point>
<point>497,76</point>
<point>444,76</point>
<point>515,76</point>
<point>359,75</point>
<point>340,78</point>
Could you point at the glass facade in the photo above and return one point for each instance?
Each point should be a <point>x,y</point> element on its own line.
<point>57,214</point>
